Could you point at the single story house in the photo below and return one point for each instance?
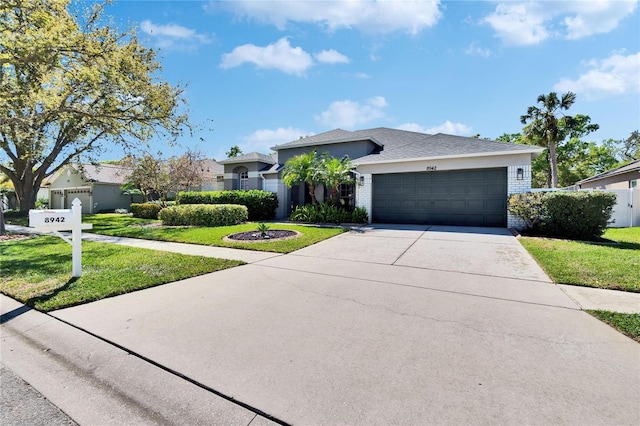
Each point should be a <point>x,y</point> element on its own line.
<point>623,177</point>
<point>403,176</point>
<point>97,187</point>
<point>213,173</point>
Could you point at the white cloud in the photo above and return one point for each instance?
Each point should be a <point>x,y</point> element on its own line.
<point>362,75</point>
<point>378,17</point>
<point>262,140</point>
<point>447,127</point>
<point>531,22</point>
<point>518,23</point>
<point>279,55</point>
<point>331,57</point>
<point>475,49</point>
<point>348,114</point>
<point>597,17</point>
<point>615,75</point>
<point>173,35</point>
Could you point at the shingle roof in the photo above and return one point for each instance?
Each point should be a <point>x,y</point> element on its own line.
<point>333,136</point>
<point>103,173</point>
<point>442,145</point>
<point>632,166</point>
<point>392,138</point>
<point>212,167</point>
<point>252,156</point>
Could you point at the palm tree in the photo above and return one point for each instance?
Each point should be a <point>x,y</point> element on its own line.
<point>303,168</point>
<point>335,172</point>
<point>544,127</point>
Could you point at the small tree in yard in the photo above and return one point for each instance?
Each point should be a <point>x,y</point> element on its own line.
<point>186,172</point>
<point>303,168</point>
<point>334,172</point>
<point>69,86</point>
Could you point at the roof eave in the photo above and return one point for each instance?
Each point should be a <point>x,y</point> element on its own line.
<point>328,142</point>
<point>446,157</point>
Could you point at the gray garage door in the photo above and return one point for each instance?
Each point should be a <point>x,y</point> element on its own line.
<point>462,197</point>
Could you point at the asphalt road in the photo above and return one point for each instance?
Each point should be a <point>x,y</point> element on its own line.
<point>20,404</point>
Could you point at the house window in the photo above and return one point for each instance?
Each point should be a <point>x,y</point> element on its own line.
<point>347,198</point>
<point>243,176</point>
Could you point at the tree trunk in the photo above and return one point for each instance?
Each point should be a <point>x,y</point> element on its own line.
<point>2,229</point>
<point>312,192</point>
<point>554,164</point>
<point>26,194</point>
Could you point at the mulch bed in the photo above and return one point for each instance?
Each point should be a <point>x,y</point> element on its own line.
<point>14,237</point>
<point>257,237</point>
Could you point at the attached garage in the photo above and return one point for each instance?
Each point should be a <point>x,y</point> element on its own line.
<point>476,197</point>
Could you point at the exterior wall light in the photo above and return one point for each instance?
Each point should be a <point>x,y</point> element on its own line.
<point>520,173</point>
<point>361,180</point>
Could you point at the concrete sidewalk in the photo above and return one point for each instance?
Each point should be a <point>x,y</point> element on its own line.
<point>585,297</point>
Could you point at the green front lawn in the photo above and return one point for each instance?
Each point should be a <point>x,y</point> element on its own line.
<point>120,225</point>
<point>37,271</point>
<point>628,324</point>
<point>612,266</point>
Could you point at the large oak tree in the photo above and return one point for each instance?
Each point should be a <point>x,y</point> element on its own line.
<point>71,87</point>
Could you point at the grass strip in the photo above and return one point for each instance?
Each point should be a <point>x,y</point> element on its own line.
<point>611,266</point>
<point>37,271</point>
<point>627,324</point>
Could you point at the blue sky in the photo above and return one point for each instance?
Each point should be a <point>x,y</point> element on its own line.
<point>262,73</point>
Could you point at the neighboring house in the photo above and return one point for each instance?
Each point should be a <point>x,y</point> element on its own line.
<point>402,176</point>
<point>97,187</point>
<point>213,176</point>
<point>624,177</point>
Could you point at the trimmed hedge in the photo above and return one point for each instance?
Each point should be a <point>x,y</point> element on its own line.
<point>262,205</point>
<point>328,213</point>
<point>575,215</point>
<point>145,210</point>
<point>203,215</point>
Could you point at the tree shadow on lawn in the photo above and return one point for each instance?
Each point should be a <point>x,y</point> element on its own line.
<point>48,264</point>
<point>48,296</point>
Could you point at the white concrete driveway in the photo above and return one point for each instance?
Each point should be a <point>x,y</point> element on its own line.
<point>386,326</point>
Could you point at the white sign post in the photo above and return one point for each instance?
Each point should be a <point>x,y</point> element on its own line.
<point>64,220</point>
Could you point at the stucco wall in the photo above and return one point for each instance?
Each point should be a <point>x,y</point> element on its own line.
<point>110,197</point>
<point>70,178</point>
<point>621,181</point>
<point>231,175</point>
<point>352,149</point>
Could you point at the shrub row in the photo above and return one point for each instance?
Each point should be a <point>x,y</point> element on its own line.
<point>145,210</point>
<point>328,213</point>
<point>575,215</point>
<point>261,204</point>
<point>203,215</point>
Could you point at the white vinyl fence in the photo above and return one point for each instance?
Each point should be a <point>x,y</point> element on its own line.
<point>626,212</point>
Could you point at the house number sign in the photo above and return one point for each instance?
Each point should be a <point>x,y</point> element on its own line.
<point>432,168</point>
<point>63,220</point>
<point>38,218</point>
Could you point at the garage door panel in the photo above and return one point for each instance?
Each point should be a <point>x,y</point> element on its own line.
<point>458,205</point>
<point>462,197</point>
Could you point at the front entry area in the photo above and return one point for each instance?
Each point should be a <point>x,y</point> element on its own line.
<point>475,197</point>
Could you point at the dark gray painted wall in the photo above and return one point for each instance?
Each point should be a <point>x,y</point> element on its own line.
<point>352,149</point>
